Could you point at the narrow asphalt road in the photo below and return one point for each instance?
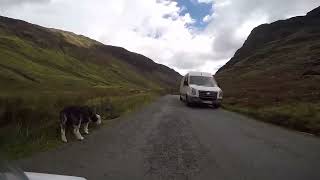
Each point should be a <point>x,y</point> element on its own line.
<point>168,140</point>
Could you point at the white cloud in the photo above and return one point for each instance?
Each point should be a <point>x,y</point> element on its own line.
<point>207,18</point>
<point>205,1</point>
<point>219,4</point>
<point>8,3</point>
<point>156,29</point>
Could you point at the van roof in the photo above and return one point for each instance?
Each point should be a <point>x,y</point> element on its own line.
<point>193,73</point>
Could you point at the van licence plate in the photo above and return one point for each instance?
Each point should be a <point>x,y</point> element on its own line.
<point>207,102</point>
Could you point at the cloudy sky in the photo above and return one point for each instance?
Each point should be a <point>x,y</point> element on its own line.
<point>182,34</point>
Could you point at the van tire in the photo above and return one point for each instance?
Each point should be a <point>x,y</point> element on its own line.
<point>216,106</point>
<point>187,101</point>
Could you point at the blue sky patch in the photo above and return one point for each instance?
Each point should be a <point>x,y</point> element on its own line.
<point>196,10</point>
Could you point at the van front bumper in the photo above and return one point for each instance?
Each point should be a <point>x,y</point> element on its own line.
<point>197,100</point>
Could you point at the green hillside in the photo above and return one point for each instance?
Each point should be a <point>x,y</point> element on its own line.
<point>42,70</point>
<point>33,57</point>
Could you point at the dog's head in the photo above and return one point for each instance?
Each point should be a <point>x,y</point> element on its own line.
<point>96,118</point>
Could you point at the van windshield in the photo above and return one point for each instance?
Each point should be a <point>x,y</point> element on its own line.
<point>203,81</point>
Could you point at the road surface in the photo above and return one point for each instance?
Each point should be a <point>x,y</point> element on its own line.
<point>168,140</point>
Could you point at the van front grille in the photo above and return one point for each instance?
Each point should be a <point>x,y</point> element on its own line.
<point>208,95</point>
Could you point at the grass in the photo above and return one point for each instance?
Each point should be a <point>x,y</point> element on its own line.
<point>303,117</point>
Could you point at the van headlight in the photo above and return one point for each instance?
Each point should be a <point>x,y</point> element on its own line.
<point>193,91</point>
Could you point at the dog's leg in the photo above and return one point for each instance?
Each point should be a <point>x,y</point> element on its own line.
<point>63,133</point>
<point>85,128</point>
<point>76,126</point>
<point>77,133</point>
<point>63,121</point>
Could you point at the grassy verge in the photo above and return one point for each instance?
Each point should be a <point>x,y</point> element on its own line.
<point>30,124</point>
<point>301,116</point>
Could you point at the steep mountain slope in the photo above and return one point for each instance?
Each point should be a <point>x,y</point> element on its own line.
<point>34,56</point>
<point>277,71</point>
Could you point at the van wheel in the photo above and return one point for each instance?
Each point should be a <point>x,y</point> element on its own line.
<point>187,101</point>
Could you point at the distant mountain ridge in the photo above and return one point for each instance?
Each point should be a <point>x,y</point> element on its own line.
<point>287,31</point>
<point>76,58</point>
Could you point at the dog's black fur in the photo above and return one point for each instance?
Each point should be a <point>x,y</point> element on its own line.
<point>75,116</point>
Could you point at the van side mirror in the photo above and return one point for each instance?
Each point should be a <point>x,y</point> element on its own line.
<point>185,83</point>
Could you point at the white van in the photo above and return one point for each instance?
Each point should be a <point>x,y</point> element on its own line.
<point>200,88</point>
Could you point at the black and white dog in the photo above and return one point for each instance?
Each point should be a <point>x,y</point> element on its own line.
<point>75,116</point>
